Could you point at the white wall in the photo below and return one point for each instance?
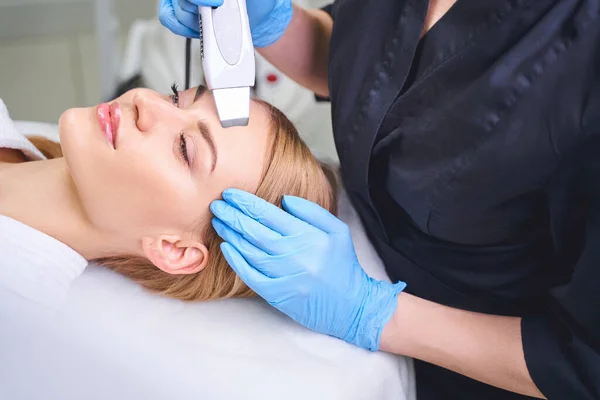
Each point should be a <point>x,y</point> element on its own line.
<point>32,18</point>
<point>49,54</point>
<point>27,18</point>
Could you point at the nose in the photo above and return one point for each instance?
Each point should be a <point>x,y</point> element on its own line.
<point>152,109</point>
<point>144,108</point>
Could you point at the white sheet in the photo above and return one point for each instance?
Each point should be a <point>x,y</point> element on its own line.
<point>113,340</point>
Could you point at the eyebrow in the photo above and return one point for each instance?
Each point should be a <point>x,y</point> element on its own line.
<point>207,135</point>
<point>199,92</point>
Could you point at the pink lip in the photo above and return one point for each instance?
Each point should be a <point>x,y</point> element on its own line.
<point>109,117</point>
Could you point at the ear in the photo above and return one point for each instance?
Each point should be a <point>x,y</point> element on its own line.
<point>174,256</point>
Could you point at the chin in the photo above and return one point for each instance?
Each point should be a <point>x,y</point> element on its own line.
<point>81,151</point>
<point>79,133</point>
<point>67,124</point>
<point>67,121</point>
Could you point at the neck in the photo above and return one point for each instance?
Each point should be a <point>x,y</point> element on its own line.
<point>41,194</point>
<point>437,9</point>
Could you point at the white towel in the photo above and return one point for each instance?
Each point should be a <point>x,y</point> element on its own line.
<point>33,265</point>
<point>11,138</point>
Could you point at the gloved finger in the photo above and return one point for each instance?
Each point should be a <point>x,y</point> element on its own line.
<point>264,212</point>
<point>253,254</point>
<point>189,6</point>
<point>266,264</point>
<point>166,16</point>
<point>207,3</point>
<point>254,232</point>
<point>313,214</point>
<point>253,278</point>
<point>189,19</point>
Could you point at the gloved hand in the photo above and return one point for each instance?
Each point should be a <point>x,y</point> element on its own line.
<point>268,18</point>
<point>303,263</point>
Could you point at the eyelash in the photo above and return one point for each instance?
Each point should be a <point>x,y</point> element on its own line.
<point>175,96</point>
<point>183,148</point>
<point>182,141</point>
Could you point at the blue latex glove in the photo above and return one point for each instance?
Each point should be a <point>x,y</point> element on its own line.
<point>268,18</point>
<point>303,263</point>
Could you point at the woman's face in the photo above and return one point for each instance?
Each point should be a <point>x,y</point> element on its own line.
<point>170,159</point>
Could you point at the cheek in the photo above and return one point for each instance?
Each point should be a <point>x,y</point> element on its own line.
<point>153,191</point>
<point>134,191</point>
<point>147,199</point>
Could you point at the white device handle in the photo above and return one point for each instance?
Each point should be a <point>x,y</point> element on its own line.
<point>227,49</point>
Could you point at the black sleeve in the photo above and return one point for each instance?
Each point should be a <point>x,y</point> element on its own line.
<point>329,10</point>
<point>562,345</point>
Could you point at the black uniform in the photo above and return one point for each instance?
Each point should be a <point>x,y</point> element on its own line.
<point>473,159</point>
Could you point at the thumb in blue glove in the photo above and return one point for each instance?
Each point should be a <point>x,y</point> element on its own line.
<point>303,263</point>
<point>268,18</point>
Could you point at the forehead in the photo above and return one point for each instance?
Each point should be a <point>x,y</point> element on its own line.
<point>259,114</point>
<point>241,150</point>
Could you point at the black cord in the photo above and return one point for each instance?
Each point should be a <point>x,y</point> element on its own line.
<point>188,61</point>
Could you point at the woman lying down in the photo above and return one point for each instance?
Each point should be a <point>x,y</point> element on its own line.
<point>131,189</point>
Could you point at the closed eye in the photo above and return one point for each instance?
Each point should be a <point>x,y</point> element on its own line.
<point>183,148</point>
<point>182,145</point>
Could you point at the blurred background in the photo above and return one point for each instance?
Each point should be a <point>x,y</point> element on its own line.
<point>59,54</point>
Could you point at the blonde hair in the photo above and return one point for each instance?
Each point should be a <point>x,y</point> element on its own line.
<point>291,169</point>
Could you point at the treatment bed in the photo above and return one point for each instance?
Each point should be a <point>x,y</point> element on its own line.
<point>111,339</point>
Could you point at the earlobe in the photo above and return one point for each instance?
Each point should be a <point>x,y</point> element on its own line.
<point>174,256</point>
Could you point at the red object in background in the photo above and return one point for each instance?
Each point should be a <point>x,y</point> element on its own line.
<point>272,78</point>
